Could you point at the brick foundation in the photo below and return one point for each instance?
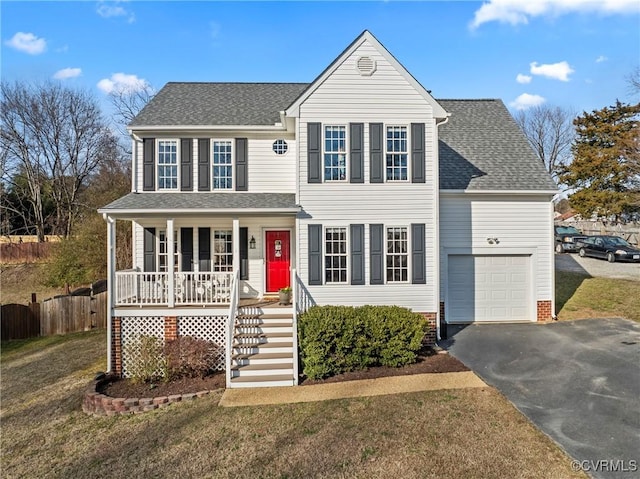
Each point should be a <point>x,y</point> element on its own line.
<point>170,328</point>
<point>544,311</point>
<point>116,346</point>
<point>430,337</point>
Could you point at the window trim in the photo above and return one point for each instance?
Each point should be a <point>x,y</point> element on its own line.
<point>408,152</point>
<point>233,164</point>
<point>407,229</point>
<point>347,255</point>
<point>346,152</point>
<point>157,163</point>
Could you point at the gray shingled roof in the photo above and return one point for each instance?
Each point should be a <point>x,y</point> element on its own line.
<point>186,104</point>
<point>482,148</point>
<point>205,202</point>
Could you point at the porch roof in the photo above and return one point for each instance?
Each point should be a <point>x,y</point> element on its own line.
<point>161,203</point>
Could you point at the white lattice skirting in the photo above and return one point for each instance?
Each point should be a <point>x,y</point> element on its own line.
<point>208,328</point>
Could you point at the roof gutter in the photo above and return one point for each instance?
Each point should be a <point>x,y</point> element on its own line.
<point>201,211</point>
<point>499,192</point>
<point>208,128</point>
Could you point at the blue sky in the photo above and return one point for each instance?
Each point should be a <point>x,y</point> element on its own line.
<point>571,53</point>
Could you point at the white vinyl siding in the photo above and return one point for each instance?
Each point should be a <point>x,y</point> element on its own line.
<point>385,97</point>
<point>522,225</point>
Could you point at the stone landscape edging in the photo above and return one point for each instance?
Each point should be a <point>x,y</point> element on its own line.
<point>97,404</point>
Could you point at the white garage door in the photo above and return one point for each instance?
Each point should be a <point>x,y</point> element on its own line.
<point>488,288</point>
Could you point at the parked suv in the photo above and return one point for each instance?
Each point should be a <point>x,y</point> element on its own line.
<point>567,238</point>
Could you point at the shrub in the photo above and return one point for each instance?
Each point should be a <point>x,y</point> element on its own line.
<point>145,360</point>
<point>190,357</point>
<point>337,339</point>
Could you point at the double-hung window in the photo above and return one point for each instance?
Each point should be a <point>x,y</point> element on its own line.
<point>397,154</point>
<point>222,251</point>
<point>335,255</point>
<point>335,153</point>
<point>397,255</point>
<point>163,251</point>
<point>222,165</point>
<point>167,164</point>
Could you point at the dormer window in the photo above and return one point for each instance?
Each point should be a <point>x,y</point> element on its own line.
<point>167,162</point>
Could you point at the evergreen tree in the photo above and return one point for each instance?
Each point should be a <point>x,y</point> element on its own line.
<point>605,172</point>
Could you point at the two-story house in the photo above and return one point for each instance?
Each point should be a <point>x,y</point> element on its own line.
<point>358,188</point>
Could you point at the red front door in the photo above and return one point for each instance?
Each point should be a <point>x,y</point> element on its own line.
<point>278,260</point>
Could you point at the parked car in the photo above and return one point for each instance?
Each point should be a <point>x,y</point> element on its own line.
<point>611,248</point>
<point>567,238</point>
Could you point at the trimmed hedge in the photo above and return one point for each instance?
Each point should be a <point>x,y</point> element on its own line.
<point>337,339</point>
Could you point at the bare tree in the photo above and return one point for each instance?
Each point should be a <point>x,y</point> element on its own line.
<point>56,137</point>
<point>633,80</point>
<point>550,132</point>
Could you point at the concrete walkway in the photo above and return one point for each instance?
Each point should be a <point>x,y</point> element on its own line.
<point>350,389</point>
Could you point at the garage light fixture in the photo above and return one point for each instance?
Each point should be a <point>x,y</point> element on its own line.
<point>493,241</point>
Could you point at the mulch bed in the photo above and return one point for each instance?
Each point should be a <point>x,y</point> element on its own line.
<point>429,361</point>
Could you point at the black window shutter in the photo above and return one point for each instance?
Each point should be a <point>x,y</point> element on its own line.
<point>314,153</point>
<point>149,164</point>
<point>356,153</point>
<point>149,241</point>
<point>376,149</point>
<point>242,170</point>
<point>417,153</point>
<point>315,254</point>
<point>204,169</point>
<point>357,254</point>
<point>418,254</point>
<point>244,252</point>
<point>204,249</point>
<point>186,164</point>
<point>376,253</point>
<point>186,246</point>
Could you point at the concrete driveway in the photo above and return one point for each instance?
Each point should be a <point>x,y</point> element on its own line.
<point>578,381</point>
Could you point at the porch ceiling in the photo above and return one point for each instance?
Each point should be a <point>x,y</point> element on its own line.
<point>200,203</point>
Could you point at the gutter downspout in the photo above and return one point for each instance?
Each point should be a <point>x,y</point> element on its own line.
<point>437,237</point>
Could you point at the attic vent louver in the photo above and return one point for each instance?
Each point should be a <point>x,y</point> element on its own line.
<point>366,66</point>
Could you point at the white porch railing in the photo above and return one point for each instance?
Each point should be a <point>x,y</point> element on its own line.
<point>231,321</point>
<point>137,288</point>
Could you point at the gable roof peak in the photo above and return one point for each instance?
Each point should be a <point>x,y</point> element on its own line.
<point>366,35</point>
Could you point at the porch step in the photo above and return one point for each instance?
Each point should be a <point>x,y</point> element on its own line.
<point>262,381</point>
<point>262,369</point>
<point>264,348</point>
<point>264,329</point>
<point>242,359</point>
<point>265,316</point>
<point>271,337</point>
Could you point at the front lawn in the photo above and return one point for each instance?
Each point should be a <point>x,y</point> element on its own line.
<point>455,433</point>
<point>579,296</point>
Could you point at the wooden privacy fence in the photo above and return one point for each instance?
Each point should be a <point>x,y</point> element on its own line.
<point>24,252</point>
<point>629,232</point>
<point>19,321</point>
<point>61,315</point>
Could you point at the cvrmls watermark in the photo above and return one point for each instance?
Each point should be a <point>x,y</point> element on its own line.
<point>605,465</point>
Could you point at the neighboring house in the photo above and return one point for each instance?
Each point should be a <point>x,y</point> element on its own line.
<point>358,188</point>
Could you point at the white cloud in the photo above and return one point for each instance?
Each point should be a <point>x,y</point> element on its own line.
<point>114,9</point>
<point>123,83</point>
<point>526,101</point>
<point>516,12</point>
<point>67,73</point>
<point>601,59</point>
<point>28,43</point>
<point>523,78</point>
<point>556,71</point>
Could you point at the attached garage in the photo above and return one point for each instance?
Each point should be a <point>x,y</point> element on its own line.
<point>489,288</point>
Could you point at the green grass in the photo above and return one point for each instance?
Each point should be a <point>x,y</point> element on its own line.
<point>579,296</point>
<point>471,433</point>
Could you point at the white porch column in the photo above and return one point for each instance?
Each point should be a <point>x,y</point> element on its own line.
<point>235,241</point>
<point>170,266</point>
<point>111,283</point>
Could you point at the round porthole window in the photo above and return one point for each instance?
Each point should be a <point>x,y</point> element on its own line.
<point>280,147</point>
